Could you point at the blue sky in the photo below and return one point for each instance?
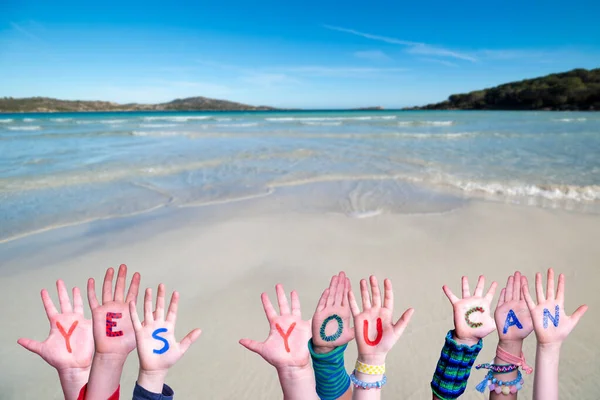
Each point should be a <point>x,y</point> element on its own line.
<point>309,54</point>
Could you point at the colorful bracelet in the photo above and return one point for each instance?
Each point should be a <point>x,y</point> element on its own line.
<point>454,368</point>
<point>367,385</point>
<point>498,369</point>
<point>369,369</point>
<point>331,378</point>
<point>499,386</point>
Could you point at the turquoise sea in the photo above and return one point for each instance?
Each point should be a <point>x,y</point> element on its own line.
<point>62,169</point>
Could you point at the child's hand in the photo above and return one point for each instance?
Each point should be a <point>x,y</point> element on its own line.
<point>287,343</point>
<point>512,316</point>
<point>472,318</point>
<point>157,347</point>
<point>70,343</point>
<point>552,325</point>
<point>374,329</point>
<point>335,308</point>
<point>113,331</point>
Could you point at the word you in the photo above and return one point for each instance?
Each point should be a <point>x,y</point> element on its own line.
<point>554,319</point>
<point>337,334</point>
<point>286,335</point>
<point>67,335</point>
<point>366,333</point>
<point>468,319</point>
<point>511,320</point>
<point>111,324</point>
<point>165,342</point>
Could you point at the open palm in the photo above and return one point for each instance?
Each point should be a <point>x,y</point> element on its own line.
<point>472,318</point>
<point>374,328</point>
<point>335,308</point>
<point>512,316</point>
<point>286,345</point>
<point>70,343</point>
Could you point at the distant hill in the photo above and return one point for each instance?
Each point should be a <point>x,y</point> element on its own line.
<point>46,104</point>
<point>576,90</point>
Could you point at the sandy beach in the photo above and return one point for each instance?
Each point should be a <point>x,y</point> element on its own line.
<point>221,258</point>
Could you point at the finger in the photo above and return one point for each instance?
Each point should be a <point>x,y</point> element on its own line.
<point>466,293</point>
<point>187,341</point>
<point>107,286</point>
<point>159,311</point>
<point>268,307</point>
<point>63,297</point>
<point>353,305</point>
<point>134,288</point>
<point>560,292</point>
<point>526,295</point>
<point>489,296</point>
<point>120,286</point>
<point>578,314</point>
<point>284,307</point>
<point>148,306</point>
<point>135,319</point>
<point>173,306</point>
<point>77,301</point>
<point>403,322</point>
<point>388,295</point>
<point>501,297</point>
<point>517,287</point>
<point>539,289</point>
<point>295,304</point>
<point>364,293</point>
<point>332,290</point>
<point>480,285</point>
<point>252,345</point>
<point>376,301</point>
<point>51,310</point>
<point>341,286</point>
<point>322,301</point>
<point>550,285</point>
<point>347,286</point>
<point>510,286</point>
<point>453,299</point>
<point>91,294</point>
<point>31,345</point>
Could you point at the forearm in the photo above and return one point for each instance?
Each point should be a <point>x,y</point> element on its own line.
<point>105,376</point>
<point>545,383</point>
<point>152,381</point>
<point>368,394</point>
<point>72,380</point>
<point>515,348</point>
<point>297,383</point>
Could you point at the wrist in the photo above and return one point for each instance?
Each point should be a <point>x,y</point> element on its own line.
<point>110,358</point>
<point>294,372</point>
<point>152,381</point>
<point>73,374</point>
<point>323,349</point>
<point>514,347</point>
<point>464,340</point>
<point>372,359</point>
<point>549,347</point>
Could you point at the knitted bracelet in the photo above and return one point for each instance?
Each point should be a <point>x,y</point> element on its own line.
<point>330,374</point>
<point>454,368</point>
<point>498,368</point>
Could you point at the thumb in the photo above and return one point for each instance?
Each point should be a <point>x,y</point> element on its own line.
<point>403,322</point>
<point>190,338</point>
<point>578,314</point>
<point>252,345</point>
<point>31,345</point>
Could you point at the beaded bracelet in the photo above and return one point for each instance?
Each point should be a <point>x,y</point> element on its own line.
<point>367,385</point>
<point>499,386</point>
<point>498,369</point>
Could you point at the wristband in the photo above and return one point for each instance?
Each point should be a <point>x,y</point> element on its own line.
<point>369,369</point>
<point>332,380</point>
<point>454,368</point>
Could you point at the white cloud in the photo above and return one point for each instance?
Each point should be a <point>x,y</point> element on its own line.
<point>442,62</point>
<point>372,55</point>
<point>24,31</point>
<point>413,47</point>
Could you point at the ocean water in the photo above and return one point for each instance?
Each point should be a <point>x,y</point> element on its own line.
<point>61,169</point>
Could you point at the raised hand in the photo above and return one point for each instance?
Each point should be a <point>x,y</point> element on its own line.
<point>157,347</point>
<point>287,343</point>
<point>512,316</point>
<point>472,318</point>
<point>375,331</point>
<point>552,325</point>
<point>70,343</point>
<point>331,321</point>
<point>113,331</point>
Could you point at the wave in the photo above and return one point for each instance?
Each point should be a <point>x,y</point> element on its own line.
<point>159,133</point>
<point>571,120</point>
<point>112,121</point>
<point>25,128</point>
<point>61,119</point>
<point>304,119</point>
<point>240,125</point>
<point>28,119</point>
<point>223,119</point>
<point>157,125</point>
<point>425,123</point>
<point>6,120</point>
<point>334,123</point>
<point>176,119</point>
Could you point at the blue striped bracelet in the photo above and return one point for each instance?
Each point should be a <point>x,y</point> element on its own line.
<point>367,385</point>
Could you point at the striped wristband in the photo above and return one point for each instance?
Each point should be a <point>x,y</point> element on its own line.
<point>330,374</point>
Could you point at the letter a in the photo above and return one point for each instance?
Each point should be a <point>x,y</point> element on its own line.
<point>366,333</point>
<point>511,319</point>
<point>286,335</point>
<point>165,342</point>
<point>67,335</point>
<point>554,319</point>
